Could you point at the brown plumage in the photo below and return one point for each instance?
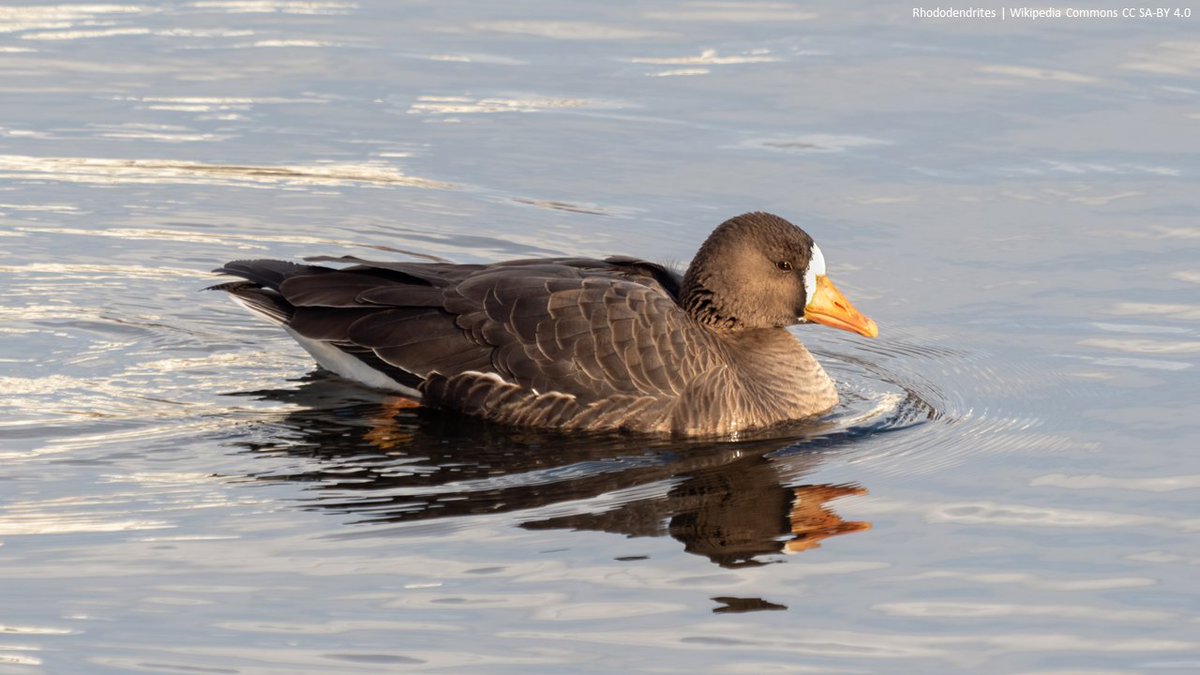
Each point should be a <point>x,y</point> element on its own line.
<point>575,343</point>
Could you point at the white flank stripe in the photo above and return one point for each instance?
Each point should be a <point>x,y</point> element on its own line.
<point>336,361</point>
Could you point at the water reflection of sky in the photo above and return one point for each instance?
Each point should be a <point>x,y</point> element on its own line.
<point>1014,202</point>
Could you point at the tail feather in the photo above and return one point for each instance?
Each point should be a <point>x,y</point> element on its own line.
<point>269,273</point>
<point>262,301</point>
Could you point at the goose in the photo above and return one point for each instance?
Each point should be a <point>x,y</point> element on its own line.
<point>576,344</point>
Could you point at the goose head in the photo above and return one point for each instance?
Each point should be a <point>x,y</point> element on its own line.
<point>757,271</point>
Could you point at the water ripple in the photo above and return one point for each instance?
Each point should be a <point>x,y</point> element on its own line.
<point>945,399</point>
<point>106,171</point>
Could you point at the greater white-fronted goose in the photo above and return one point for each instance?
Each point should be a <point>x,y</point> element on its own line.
<point>576,343</point>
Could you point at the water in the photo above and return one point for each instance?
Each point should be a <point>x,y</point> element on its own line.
<point>1010,484</point>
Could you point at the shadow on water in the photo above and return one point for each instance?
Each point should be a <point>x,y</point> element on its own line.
<point>733,502</point>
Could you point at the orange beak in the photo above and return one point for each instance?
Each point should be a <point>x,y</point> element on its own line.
<point>829,307</point>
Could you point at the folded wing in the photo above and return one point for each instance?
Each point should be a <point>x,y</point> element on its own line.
<point>579,329</point>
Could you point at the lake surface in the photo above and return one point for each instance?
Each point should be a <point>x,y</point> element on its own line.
<point>1011,484</point>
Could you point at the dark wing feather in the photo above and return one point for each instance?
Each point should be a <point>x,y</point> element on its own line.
<point>431,274</point>
<point>402,295</point>
<point>563,333</point>
<point>580,332</point>
<point>333,289</point>
<point>420,341</point>
<point>669,279</point>
<point>327,324</point>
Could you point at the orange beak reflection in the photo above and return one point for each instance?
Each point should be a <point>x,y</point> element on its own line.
<point>829,307</point>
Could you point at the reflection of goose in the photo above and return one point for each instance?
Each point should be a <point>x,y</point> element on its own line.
<point>731,502</point>
<point>573,343</point>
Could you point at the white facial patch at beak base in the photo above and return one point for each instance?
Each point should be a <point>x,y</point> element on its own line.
<point>816,268</point>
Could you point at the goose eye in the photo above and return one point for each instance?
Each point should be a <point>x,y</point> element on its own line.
<point>784,265</point>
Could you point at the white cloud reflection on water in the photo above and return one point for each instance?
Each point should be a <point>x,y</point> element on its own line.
<point>161,171</point>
